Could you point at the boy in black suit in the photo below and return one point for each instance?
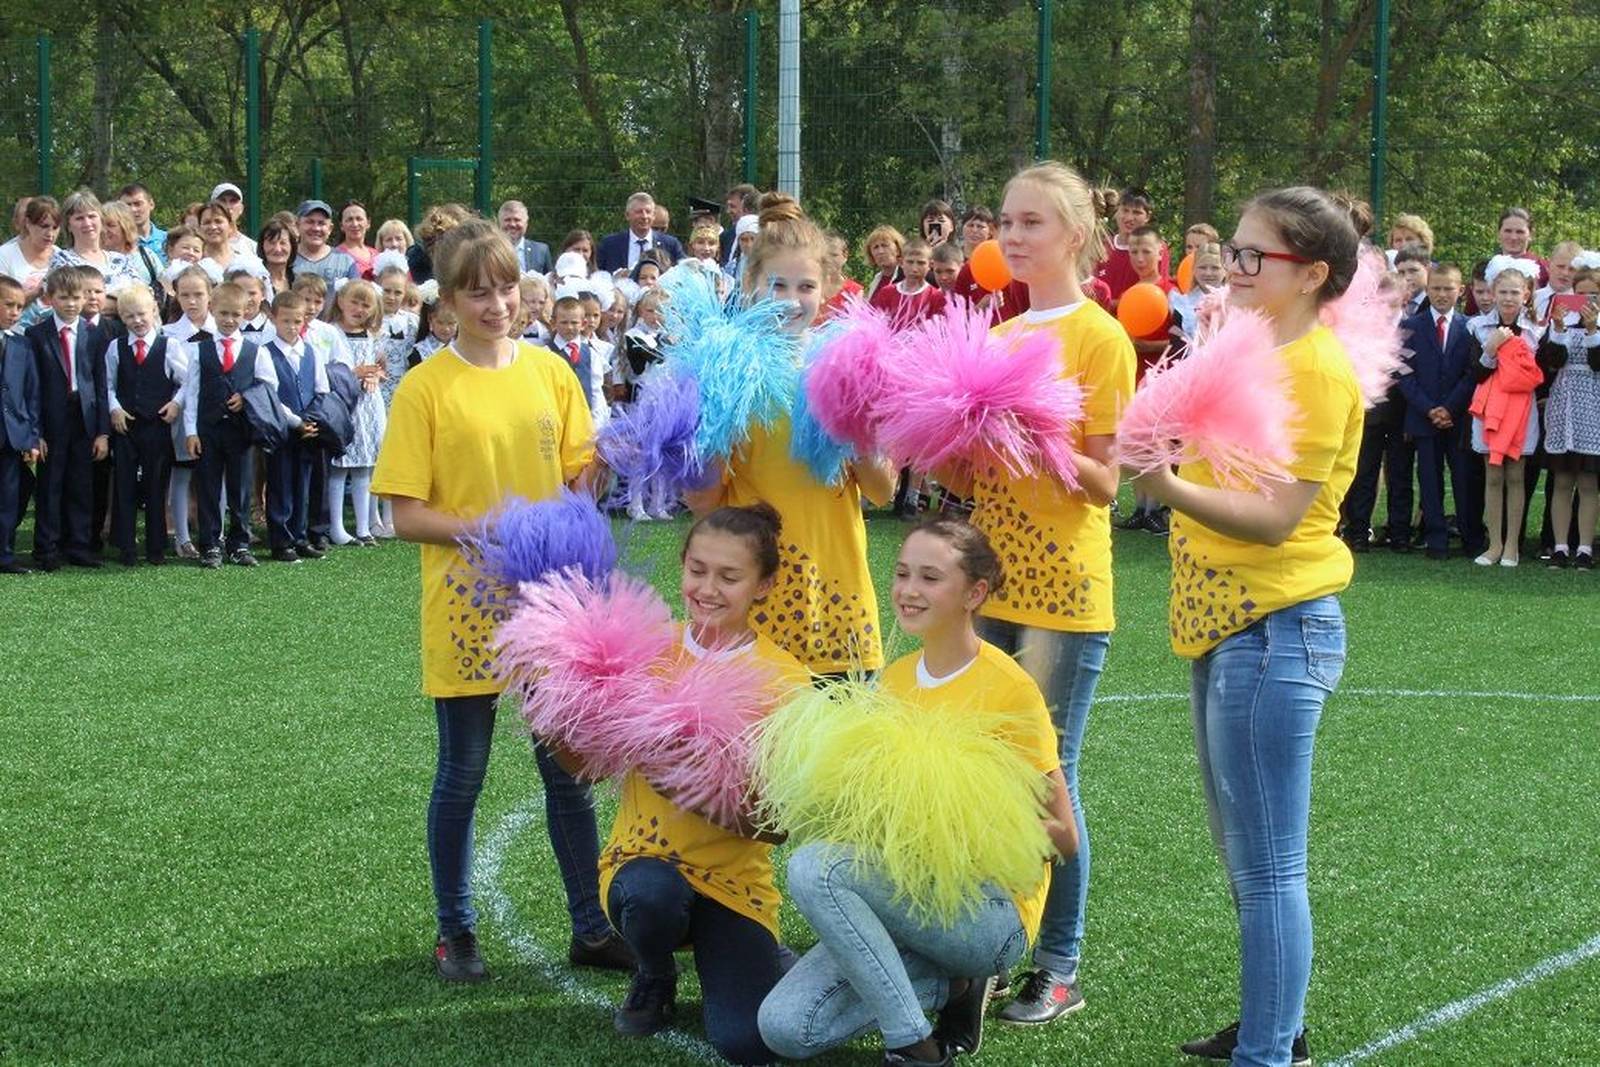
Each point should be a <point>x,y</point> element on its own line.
<point>1437,391</point>
<point>109,327</point>
<point>144,387</point>
<point>74,421</point>
<point>19,420</point>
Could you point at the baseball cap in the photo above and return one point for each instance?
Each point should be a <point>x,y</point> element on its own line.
<point>225,187</point>
<point>308,206</point>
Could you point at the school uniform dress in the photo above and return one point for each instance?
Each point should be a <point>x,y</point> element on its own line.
<point>295,472</point>
<point>1442,355</point>
<point>219,368</point>
<point>70,361</point>
<point>370,416</point>
<point>396,339</point>
<point>1482,326</point>
<point>141,379</point>
<point>19,433</point>
<point>182,336</point>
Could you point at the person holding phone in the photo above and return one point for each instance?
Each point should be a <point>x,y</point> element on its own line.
<point>1570,351</point>
<point>938,222</point>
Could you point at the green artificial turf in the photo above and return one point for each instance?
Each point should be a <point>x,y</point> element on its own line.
<point>213,786</point>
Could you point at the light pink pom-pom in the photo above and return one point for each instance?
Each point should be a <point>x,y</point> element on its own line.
<point>698,733</point>
<point>845,381</point>
<point>959,396</point>
<point>580,656</point>
<point>1364,321</point>
<point>1226,403</point>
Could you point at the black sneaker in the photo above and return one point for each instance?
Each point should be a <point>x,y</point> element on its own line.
<point>285,555</point>
<point>1043,998</point>
<point>211,559</point>
<point>456,959</point>
<point>960,1025</point>
<point>610,953</point>
<point>309,550</point>
<point>648,1007</point>
<point>242,557</point>
<point>900,1059</point>
<point>1134,521</point>
<point>319,543</point>
<point>1156,522</point>
<point>1559,559</point>
<point>1220,1046</point>
<point>1583,561</point>
<point>1002,987</point>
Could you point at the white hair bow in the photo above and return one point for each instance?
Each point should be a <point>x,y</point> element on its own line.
<point>1528,268</point>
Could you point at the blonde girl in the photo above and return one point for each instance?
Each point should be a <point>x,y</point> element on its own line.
<point>357,310</point>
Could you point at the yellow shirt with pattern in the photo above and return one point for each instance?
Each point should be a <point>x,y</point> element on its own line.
<point>822,608</point>
<point>1056,546</point>
<point>734,871</point>
<point>1220,585</point>
<point>994,680</point>
<point>462,439</point>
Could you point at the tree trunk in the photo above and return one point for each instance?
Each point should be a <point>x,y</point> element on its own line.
<point>588,92</point>
<point>950,163</point>
<point>1200,162</point>
<point>97,168</point>
<point>1016,83</point>
<point>716,74</point>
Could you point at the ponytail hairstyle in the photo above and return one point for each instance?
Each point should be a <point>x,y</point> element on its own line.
<point>757,524</point>
<point>1317,226</point>
<point>1358,210</point>
<point>784,229</point>
<point>978,559</point>
<point>1080,206</point>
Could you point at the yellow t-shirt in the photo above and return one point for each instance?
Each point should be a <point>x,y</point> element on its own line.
<point>993,679</point>
<point>1221,586</point>
<point>1056,546</point>
<point>734,871</point>
<point>822,607</point>
<point>462,439</point>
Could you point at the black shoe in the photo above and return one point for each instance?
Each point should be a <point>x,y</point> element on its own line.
<point>84,560</point>
<point>456,959</point>
<point>367,542</point>
<point>1583,561</point>
<point>128,559</point>
<point>1400,546</point>
<point>242,557</point>
<point>648,1007</point>
<point>1134,521</point>
<point>1358,544</point>
<point>211,559</point>
<point>320,544</point>
<point>1156,522</point>
<point>1002,987</point>
<point>285,555</point>
<point>900,1059</point>
<point>1437,553</point>
<point>309,550</point>
<point>1559,560</point>
<point>156,561</point>
<point>11,566</point>
<point>1043,998</point>
<point>1220,1046</point>
<point>960,1025</point>
<point>48,564</point>
<point>610,953</point>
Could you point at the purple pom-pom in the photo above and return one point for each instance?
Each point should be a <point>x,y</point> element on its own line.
<point>652,441</point>
<point>523,541</point>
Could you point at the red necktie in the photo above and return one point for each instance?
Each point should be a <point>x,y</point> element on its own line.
<point>1442,322</point>
<point>138,352</point>
<point>227,354</point>
<point>572,352</point>
<point>66,358</point>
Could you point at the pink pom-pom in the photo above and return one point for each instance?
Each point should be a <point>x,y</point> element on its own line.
<point>959,396</point>
<point>845,381</point>
<point>1364,321</point>
<point>697,733</point>
<point>581,656</point>
<point>1226,403</point>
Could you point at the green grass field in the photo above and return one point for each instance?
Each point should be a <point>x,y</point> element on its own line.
<point>213,786</point>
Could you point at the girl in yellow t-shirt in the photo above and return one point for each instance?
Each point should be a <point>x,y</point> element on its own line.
<point>488,417</point>
<point>823,608</point>
<point>876,965</point>
<point>668,876</point>
<point>1055,614</point>
<point>1254,605</point>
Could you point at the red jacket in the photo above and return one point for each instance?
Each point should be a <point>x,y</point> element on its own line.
<point>1504,400</point>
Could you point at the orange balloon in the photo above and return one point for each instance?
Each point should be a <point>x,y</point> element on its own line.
<point>1143,309</point>
<point>989,266</point>
<point>1185,275</point>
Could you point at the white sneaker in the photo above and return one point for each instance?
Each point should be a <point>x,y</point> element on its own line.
<point>639,515</point>
<point>1509,562</point>
<point>1485,560</point>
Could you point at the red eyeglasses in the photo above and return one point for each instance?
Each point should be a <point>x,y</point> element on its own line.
<point>1248,260</point>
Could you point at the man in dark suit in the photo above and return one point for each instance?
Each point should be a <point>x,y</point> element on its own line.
<point>532,255</point>
<point>621,250</point>
<point>1437,391</point>
<point>74,420</point>
<point>19,439</point>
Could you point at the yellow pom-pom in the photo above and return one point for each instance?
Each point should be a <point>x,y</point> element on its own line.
<point>936,796</point>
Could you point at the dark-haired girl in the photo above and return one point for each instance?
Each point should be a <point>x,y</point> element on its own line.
<point>670,877</point>
<point>1254,604</point>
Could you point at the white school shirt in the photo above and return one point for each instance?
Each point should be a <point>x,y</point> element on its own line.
<point>182,330</point>
<point>294,353</point>
<point>114,360</point>
<point>191,382</point>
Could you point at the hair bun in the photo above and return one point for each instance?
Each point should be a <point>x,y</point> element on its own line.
<point>778,207</point>
<point>767,514</point>
<point>1106,200</point>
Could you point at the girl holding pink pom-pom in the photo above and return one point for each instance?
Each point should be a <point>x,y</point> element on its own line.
<point>669,875</point>
<point>822,608</point>
<point>1254,605</point>
<point>1055,615</point>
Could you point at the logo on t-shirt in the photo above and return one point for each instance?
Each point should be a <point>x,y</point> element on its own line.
<point>547,436</point>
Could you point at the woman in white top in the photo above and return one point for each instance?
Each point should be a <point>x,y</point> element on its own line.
<point>26,257</point>
<point>217,233</point>
<point>80,213</point>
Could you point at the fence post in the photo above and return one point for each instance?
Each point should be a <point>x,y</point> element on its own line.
<point>413,193</point>
<point>316,178</point>
<point>1041,130</point>
<point>751,43</point>
<point>485,115</point>
<point>1379,158</point>
<point>45,135</point>
<point>252,130</point>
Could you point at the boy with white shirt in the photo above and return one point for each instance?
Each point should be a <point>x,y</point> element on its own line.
<point>216,432</point>
<point>144,384</point>
<point>295,471</point>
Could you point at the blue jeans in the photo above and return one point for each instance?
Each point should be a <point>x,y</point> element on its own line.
<point>466,730</point>
<point>1256,699</point>
<point>658,912</point>
<point>1066,667</point>
<point>875,966</point>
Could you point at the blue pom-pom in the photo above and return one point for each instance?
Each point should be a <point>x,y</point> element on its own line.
<point>523,541</point>
<point>651,442</point>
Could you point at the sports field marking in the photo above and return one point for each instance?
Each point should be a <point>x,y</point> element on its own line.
<point>1419,694</point>
<point>1459,1009</point>
<point>486,870</point>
